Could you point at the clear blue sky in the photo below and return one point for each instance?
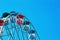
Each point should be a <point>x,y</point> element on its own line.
<point>44,14</point>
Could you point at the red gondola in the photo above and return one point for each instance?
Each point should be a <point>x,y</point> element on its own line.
<point>20,16</point>
<point>1,22</point>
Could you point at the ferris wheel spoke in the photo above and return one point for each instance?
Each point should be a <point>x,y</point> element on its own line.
<point>6,27</point>
<point>27,35</point>
<point>27,32</point>
<point>33,27</point>
<point>12,28</point>
<point>22,33</point>
<point>6,33</point>
<point>16,31</point>
<point>1,37</point>
<point>9,38</point>
<point>15,27</point>
<point>36,31</point>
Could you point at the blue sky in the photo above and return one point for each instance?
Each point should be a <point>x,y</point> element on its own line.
<point>44,15</point>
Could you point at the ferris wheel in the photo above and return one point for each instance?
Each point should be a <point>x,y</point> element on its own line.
<point>15,26</point>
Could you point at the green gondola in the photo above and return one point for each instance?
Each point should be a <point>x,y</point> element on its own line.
<point>5,14</point>
<point>26,23</point>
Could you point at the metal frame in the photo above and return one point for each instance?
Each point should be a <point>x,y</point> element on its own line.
<point>10,35</point>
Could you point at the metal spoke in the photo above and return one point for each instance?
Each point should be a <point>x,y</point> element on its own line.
<point>1,38</point>
<point>22,33</point>
<point>34,28</point>
<point>16,30</point>
<point>6,27</point>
